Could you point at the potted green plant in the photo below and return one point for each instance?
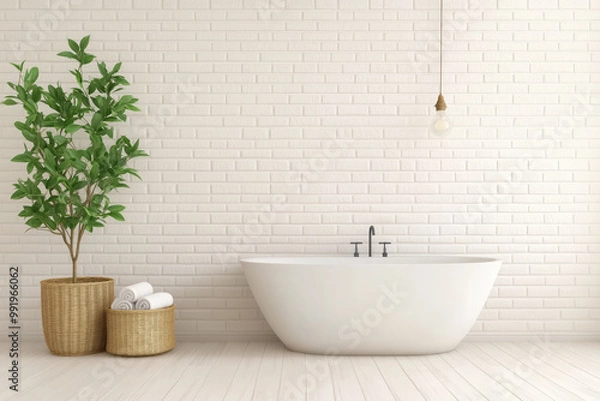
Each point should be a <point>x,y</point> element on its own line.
<point>74,159</point>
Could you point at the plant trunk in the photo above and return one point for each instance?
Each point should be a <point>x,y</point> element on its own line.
<point>74,270</point>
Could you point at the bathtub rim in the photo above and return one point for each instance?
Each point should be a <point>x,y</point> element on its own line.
<point>406,259</point>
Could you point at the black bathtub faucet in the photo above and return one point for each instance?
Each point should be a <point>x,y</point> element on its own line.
<point>371,233</point>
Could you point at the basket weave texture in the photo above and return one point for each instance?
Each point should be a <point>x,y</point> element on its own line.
<point>140,332</point>
<point>74,315</point>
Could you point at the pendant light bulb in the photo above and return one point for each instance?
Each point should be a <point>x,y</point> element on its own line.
<point>441,126</point>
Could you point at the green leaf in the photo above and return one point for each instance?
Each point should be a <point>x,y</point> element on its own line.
<point>83,44</point>
<point>117,216</point>
<point>60,140</point>
<point>21,94</point>
<point>86,155</point>
<point>139,153</point>
<point>79,185</point>
<point>22,158</point>
<point>97,199</point>
<point>48,222</point>
<point>9,102</point>
<point>34,222</point>
<point>94,171</point>
<point>79,165</point>
<point>31,76</point>
<point>97,120</point>
<point>49,158</point>
<point>134,173</point>
<point>116,68</point>
<point>73,45</point>
<point>87,58</point>
<point>102,68</point>
<point>26,212</point>
<point>125,99</point>
<point>36,93</point>
<point>18,66</point>
<point>71,129</point>
<point>52,182</point>
<point>121,81</point>
<point>115,208</point>
<point>28,134</point>
<point>30,106</point>
<point>68,55</point>
<point>18,194</point>
<point>77,76</point>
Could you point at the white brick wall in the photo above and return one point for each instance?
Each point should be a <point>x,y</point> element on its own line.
<point>289,126</point>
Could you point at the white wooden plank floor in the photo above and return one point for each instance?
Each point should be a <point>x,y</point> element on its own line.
<point>269,372</point>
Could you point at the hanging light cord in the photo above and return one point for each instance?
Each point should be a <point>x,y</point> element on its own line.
<point>441,35</point>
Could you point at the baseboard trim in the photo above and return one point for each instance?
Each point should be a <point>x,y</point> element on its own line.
<point>226,337</point>
<point>470,338</point>
<point>540,337</point>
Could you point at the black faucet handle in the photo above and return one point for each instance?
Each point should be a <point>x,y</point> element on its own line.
<point>385,254</point>
<point>356,244</point>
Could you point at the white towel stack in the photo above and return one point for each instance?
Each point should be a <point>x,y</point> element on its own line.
<point>141,296</point>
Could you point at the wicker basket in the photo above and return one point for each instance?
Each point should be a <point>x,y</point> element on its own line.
<point>73,314</point>
<point>140,332</point>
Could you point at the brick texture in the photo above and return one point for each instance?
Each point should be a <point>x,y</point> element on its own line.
<point>290,126</point>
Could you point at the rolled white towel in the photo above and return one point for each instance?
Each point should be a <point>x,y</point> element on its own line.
<point>136,291</point>
<point>122,304</point>
<point>154,301</point>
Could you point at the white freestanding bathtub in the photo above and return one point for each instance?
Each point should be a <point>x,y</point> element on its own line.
<point>371,306</point>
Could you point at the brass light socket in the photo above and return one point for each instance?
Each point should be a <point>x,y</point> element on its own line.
<point>441,104</point>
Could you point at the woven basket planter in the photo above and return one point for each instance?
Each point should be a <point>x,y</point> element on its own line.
<point>140,332</point>
<point>74,315</point>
